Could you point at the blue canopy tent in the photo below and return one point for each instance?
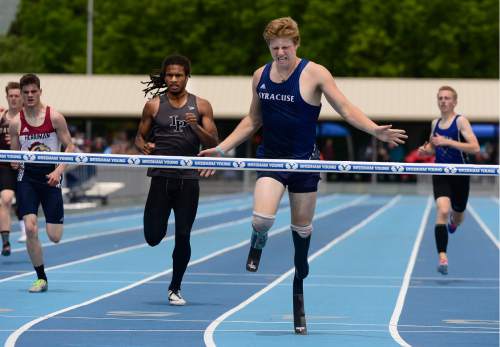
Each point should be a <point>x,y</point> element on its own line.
<point>485,131</point>
<point>329,129</point>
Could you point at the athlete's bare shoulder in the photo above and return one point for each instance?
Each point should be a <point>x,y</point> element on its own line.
<point>317,71</point>
<point>203,105</point>
<point>258,73</point>
<point>151,107</point>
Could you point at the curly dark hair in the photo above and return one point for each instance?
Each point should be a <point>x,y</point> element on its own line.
<point>29,78</point>
<point>156,84</point>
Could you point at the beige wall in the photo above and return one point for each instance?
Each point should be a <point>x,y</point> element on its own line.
<point>387,99</point>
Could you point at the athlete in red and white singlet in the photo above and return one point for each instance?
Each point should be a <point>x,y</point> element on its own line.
<point>39,128</point>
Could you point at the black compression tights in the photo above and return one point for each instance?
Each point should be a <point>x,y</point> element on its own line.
<point>441,235</point>
<point>181,196</point>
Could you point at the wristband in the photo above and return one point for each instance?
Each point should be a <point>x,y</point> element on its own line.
<point>220,151</point>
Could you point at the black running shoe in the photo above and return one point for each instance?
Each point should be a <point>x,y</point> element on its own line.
<point>299,315</point>
<point>6,249</point>
<point>253,259</point>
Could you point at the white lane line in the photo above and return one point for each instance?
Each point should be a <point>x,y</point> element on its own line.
<point>139,213</point>
<point>209,331</point>
<point>448,279</point>
<point>483,226</point>
<point>313,331</point>
<point>393,325</point>
<point>239,283</point>
<point>195,232</point>
<point>11,341</point>
<point>310,322</point>
<point>122,230</point>
<point>83,237</point>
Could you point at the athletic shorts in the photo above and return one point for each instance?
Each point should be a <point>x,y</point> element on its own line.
<point>8,178</point>
<point>454,187</point>
<point>30,195</point>
<point>297,182</point>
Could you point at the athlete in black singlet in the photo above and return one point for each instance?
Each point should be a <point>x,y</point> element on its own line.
<point>7,173</point>
<point>174,122</point>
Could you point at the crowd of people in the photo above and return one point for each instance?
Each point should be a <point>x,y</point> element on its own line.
<point>382,152</point>
<point>119,142</point>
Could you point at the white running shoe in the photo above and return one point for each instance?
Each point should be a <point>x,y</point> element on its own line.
<point>175,298</point>
<point>22,238</point>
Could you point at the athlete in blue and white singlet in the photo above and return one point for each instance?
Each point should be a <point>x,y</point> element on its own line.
<point>288,128</point>
<point>288,122</point>
<point>447,154</point>
<point>286,101</point>
<point>451,140</point>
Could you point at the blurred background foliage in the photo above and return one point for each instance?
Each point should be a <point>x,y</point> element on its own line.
<point>369,38</point>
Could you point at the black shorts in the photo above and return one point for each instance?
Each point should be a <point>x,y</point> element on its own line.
<point>30,195</point>
<point>297,182</point>
<point>454,187</point>
<point>8,178</point>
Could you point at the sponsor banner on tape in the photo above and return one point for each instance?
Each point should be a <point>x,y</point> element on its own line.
<point>248,163</point>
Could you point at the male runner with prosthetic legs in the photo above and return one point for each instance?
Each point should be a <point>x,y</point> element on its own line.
<point>286,103</point>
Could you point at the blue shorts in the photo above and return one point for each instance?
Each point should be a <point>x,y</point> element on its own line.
<point>30,195</point>
<point>297,182</point>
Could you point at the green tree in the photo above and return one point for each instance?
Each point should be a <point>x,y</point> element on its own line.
<point>220,37</point>
<point>17,56</point>
<point>372,38</point>
<point>55,32</point>
<point>404,38</point>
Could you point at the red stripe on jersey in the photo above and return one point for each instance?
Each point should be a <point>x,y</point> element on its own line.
<point>46,127</point>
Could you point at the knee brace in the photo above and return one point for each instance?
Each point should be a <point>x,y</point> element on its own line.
<point>304,231</point>
<point>260,225</point>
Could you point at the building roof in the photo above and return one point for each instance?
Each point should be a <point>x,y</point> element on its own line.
<point>230,96</point>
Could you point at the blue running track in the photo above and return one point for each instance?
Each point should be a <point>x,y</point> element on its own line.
<point>373,280</point>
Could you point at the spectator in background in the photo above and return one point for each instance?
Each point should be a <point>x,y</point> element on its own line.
<point>396,153</point>
<point>99,145</point>
<point>328,153</point>
<point>487,154</point>
<point>121,144</point>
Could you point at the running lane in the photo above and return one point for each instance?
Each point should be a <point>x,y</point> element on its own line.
<point>140,315</point>
<point>462,308</point>
<point>352,290</point>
